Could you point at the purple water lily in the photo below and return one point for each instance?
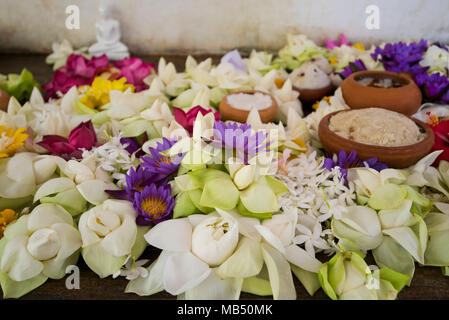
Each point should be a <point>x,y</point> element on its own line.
<point>355,66</point>
<point>434,85</point>
<point>240,138</point>
<point>136,181</point>
<point>161,166</point>
<point>154,204</point>
<point>133,145</point>
<point>345,162</point>
<point>235,59</point>
<point>401,57</point>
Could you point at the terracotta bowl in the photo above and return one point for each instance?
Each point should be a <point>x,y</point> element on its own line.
<point>4,100</point>
<point>394,157</point>
<point>228,112</point>
<point>310,96</point>
<point>406,99</point>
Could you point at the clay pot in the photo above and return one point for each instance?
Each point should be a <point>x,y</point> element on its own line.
<point>405,99</point>
<point>310,96</point>
<point>4,100</point>
<point>394,157</point>
<point>228,112</point>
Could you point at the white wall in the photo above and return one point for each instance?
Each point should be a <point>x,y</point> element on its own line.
<point>155,26</point>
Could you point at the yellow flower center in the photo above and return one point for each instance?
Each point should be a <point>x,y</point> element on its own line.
<point>155,207</point>
<point>359,46</point>
<point>6,217</point>
<point>10,140</point>
<point>279,82</point>
<point>166,160</point>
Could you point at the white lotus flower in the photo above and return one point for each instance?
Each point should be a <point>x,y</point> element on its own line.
<point>280,232</point>
<point>61,51</point>
<point>189,252</point>
<point>18,186</point>
<point>109,234</point>
<point>37,246</point>
<point>83,181</point>
<point>436,58</point>
<point>259,60</point>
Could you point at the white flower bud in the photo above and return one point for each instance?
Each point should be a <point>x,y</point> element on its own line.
<point>214,240</point>
<point>44,244</point>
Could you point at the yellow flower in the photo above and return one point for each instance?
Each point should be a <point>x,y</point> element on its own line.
<point>97,94</point>
<point>10,140</point>
<point>359,46</point>
<point>332,61</point>
<point>316,104</point>
<point>6,217</point>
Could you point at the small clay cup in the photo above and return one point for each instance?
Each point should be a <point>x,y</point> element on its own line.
<point>228,112</point>
<point>394,157</point>
<point>405,99</point>
<point>310,96</point>
<point>4,100</point>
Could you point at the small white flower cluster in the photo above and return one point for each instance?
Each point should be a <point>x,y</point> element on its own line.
<point>132,269</point>
<point>319,195</point>
<point>113,158</point>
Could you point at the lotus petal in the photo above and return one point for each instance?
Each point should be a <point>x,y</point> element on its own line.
<point>171,235</point>
<point>184,271</point>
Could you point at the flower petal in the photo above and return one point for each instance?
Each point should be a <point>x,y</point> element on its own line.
<point>171,235</point>
<point>184,271</point>
<point>17,262</point>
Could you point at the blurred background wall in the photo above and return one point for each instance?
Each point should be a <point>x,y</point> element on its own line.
<point>214,26</point>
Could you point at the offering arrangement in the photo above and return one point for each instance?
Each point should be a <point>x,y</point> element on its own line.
<point>244,175</point>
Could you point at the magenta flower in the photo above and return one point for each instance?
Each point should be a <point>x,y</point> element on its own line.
<point>78,71</point>
<point>82,137</point>
<point>134,70</point>
<point>187,119</point>
<point>333,44</point>
<point>154,204</point>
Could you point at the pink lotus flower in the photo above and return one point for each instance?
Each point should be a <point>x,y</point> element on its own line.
<point>82,137</point>
<point>187,119</point>
<point>134,70</point>
<point>78,71</point>
<point>333,44</point>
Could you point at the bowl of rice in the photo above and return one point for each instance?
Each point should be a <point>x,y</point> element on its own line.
<point>391,137</point>
<point>237,105</point>
<point>382,89</point>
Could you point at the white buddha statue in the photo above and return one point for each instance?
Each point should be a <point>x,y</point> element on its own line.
<point>108,37</point>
